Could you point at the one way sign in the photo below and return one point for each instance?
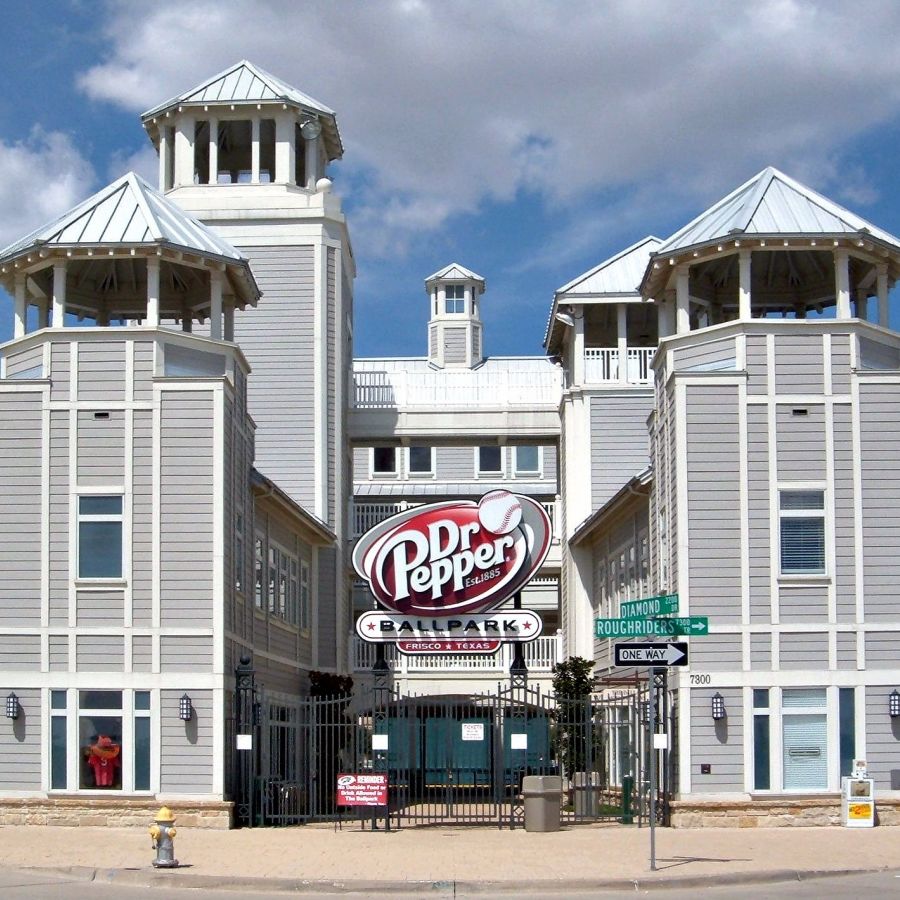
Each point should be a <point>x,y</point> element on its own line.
<point>671,654</point>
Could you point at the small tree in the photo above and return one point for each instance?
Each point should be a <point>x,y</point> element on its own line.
<point>573,681</point>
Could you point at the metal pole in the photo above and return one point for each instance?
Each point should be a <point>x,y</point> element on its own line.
<point>652,729</point>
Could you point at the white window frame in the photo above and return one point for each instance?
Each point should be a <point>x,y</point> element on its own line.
<point>811,513</point>
<point>305,599</point>
<point>379,475</point>
<point>100,517</point>
<point>430,473</point>
<point>492,474</point>
<point>456,300</point>
<point>520,472</point>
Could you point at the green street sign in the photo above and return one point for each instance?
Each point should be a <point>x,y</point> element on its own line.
<point>624,628</point>
<point>650,606</point>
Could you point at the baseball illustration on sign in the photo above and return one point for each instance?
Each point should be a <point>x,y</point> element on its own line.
<point>454,557</point>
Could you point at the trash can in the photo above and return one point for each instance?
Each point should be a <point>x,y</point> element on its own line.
<point>586,794</point>
<point>543,800</point>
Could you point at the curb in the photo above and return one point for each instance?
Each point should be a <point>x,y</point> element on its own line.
<point>172,878</point>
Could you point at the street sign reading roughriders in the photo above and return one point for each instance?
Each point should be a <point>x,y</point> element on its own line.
<point>456,557</point>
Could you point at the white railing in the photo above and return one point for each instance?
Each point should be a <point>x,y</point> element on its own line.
<point>395,388</point>
<point>368,515</point>
<point>541,655</point>
<point>601,364</point>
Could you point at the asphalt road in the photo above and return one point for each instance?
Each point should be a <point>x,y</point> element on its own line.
<point>24,885</point>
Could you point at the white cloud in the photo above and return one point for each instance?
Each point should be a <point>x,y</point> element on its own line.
<point>40,177</point>
<point>144,162</point>
<point>445,106</point>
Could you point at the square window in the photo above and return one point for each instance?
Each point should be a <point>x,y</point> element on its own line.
<point>802,523</point>
<point>384,460</point>
<point>528,460</point>
<point>490,460</point>
<point>421,460</point>
<point>454,299</point>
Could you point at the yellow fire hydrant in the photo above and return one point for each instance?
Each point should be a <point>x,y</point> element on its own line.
<point>163,833</point>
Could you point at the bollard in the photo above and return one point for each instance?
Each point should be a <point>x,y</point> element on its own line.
<point>627,799</point>
<point>163,833</point>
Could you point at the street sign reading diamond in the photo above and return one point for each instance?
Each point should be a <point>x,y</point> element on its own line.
<point>650,606</point>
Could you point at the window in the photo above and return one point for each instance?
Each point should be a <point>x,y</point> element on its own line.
<point>802,531</point>
<point>281,595</point>
<point>142,740</point>
<point>804,739</point>
<point>384,461</point>
<point>59,747</point>
<point>761,759</point>
<point>454,298</point>
<point>100,739</point>
<point>490,460</point>
<point>847,728</point>
<point>421,460</point>
<point>99,537</point>
<point>304,595</point>
<point>259,556</point>
<point>239,552</point>
<point>528,460</point>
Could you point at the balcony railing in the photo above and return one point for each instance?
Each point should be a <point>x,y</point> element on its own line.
<point>601,365</point>
<point>541,655</point>
<point>368,515</point>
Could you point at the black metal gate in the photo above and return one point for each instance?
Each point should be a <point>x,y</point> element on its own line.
<point>448,759</point>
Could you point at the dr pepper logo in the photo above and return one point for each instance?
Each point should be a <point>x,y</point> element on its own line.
<point>454,557</point>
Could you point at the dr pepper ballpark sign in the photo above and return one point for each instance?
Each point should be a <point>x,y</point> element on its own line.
<point>439,569</point>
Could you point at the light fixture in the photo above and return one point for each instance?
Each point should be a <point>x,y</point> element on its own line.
<point>893,704</point>
<point>185,708</point>
<point>718,707</point>
<point>13,707</point>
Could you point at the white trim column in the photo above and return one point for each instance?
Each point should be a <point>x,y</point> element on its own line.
<point>59,295</point>
<point>44,314</point>
<point>665,323</point>
<point>184,152</point>
<point>229,317</point>
<point>682,300</point>
<point>745,305</point>
<point>213,151</point>
<point>163,157</point>
<point>842,283</point>
<point>284,148</point>
<point>883,308</point>
<point>622,341</point>
<point>152,318</point>
<point>21,307</point>
<point>215,305</point>
<point>254,150</point>
<point>578,348</point>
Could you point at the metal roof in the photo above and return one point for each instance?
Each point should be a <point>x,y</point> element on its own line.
<point>614,278</point>
<point>127,212</point>
<point>246,83</point>
<point>771,203</point>
<point>454,272</point>
<point>380,489</point>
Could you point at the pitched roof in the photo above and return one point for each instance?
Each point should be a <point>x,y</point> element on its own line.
<point>127,212</point>
<point>247,83</point>
<point>620,274</point>
<point>771,203</point>
<point>454,271</point>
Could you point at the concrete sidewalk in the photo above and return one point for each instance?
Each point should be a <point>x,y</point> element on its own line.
<point>442,858</point>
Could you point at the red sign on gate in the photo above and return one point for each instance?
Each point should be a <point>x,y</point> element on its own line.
<point>370,789</point>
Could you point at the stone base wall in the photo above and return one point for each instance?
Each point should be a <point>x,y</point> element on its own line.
<point>774,813</point>
<point>112,812</point>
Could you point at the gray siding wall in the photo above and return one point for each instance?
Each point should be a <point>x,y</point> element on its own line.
<point>101,370</point>
<point>619,441</point>
<point>142,653</point>
<point>846,650</point>
<point>799,364</point>
<point>101,448</point>
<point>880,430</point>
<point>718,743</point>
<point>882,740</point>
<point>186,747</point>
<point>277,339</point>
<point>758,496</point>
<point>186,508</point>
<point>844,526</point>
<point>22,652</point>
<point>30,362</point>
<point>325,600</point>
<point>840,363</point>
<point>801,442</point>
<point>804,651</point>
<point>716,652</point>
<point>58,645</point>
<point>757,377</point>
<point>708,355</point>
<point>454,345</point>
<point>104,608</point>
<point>20,508</point>
<point>20,744</point>
<point>714,518</point>
<point>185,653</point>
<point>142,524</point>
<point>99,653</point>
<point>143,370</point>
<point>882,649</point>
<point>760,652</point>
<point>808,603</point>
<point>59,514</point>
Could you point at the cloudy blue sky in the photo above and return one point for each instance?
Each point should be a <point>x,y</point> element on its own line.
<point>526,140</point>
